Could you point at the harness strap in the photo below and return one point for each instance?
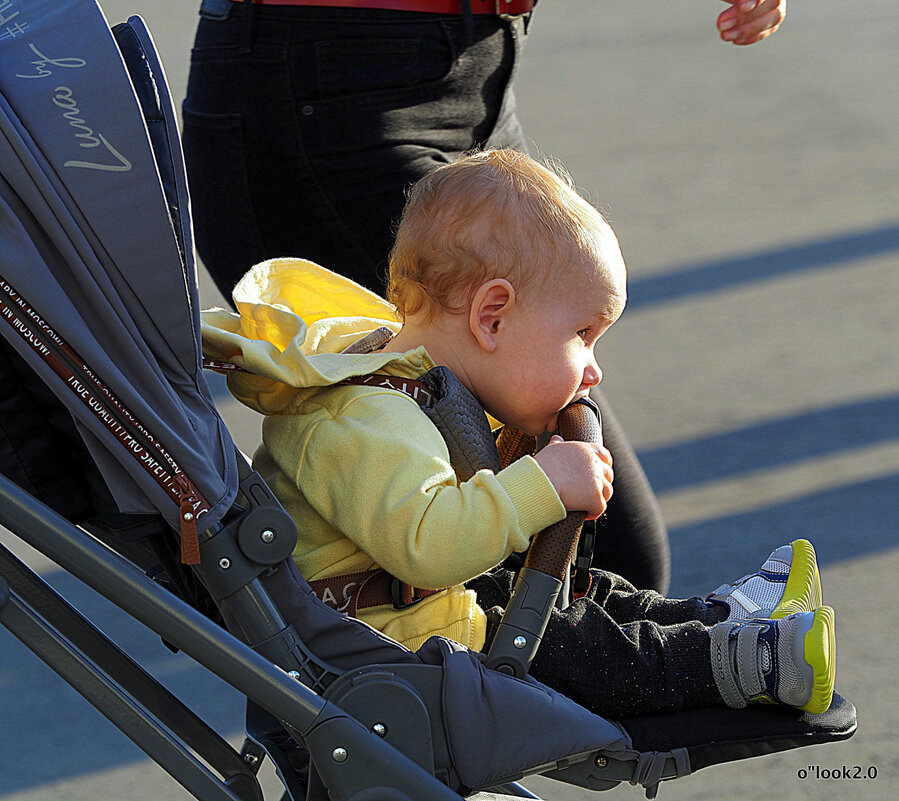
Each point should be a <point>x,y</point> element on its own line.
<point>101,402</point>
<point>408,386</point>
<point>462,423</point>
<point>354,591</point>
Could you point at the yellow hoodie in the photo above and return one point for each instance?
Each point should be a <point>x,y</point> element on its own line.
<point>361,469</point>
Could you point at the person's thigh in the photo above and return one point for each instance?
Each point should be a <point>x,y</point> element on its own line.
<point>631,537</point>
<point>303,133</point>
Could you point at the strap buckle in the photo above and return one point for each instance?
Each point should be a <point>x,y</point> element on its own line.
<point>403,595</point>
<point>499,5</point>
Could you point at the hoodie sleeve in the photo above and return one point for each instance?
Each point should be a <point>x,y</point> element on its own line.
<point>378,471</point>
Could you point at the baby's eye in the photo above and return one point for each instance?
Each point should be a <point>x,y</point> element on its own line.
<point>584,333</point>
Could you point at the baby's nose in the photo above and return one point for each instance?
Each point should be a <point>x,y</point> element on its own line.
<point>592,375</point>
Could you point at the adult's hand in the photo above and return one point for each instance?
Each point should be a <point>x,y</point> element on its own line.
<point>749,21</point>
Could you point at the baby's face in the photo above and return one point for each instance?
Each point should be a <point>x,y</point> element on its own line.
<point>547,359</point>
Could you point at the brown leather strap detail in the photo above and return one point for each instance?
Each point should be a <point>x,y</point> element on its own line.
<point>372,341</point>
<point>375,340</point>
<point>512,444</point>
<point>354,591</point>
<point>408,386</point>
<point>87,387</point>
<point>576,596</point>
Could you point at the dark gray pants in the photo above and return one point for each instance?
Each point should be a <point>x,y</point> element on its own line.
<point>620,651</point>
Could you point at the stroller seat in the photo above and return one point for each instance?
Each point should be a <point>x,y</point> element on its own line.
<point>100,306</point>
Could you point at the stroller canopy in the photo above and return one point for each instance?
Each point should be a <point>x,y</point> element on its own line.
<point>98,281</point>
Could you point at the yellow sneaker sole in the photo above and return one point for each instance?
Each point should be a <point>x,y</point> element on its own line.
<point>803,590</point>
<point>821,654</point>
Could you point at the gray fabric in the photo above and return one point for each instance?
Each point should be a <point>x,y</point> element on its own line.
<point>650,768</point>
<point>524,722</point>
<point>333,637</point>
<point>477,705</point>
<point>682,762</point>
<point>90,244</point>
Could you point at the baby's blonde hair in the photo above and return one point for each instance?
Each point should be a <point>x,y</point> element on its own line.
<point>491,214</point>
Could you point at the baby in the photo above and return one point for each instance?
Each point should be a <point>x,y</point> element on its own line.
<point>502,273</point>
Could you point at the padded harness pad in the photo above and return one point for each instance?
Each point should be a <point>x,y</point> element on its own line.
<point>462,423</point>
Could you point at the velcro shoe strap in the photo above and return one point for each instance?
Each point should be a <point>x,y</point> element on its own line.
<point>748,660</point>
<point>721,665</point>
<point>730,594</point>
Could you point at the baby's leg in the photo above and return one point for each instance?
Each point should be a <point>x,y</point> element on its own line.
<point>624,603</point>
<point>625,670</point>
<point>637,668</point>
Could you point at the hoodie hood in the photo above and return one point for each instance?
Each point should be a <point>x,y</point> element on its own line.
<point>293,320</point>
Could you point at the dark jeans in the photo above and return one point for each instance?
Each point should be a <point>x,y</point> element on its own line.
<point>620,651</point>
<point>304,126</point>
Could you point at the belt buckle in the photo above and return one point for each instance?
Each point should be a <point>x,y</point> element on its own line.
<point>396,595</point>
<point>509,17</point>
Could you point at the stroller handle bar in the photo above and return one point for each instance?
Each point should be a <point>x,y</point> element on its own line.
<point>552,550</point>
<point>545,567</point>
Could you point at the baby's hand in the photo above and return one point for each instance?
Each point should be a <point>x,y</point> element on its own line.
<point>581,473</point>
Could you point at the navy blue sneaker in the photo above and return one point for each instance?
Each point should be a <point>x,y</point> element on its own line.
<point>792,660</point>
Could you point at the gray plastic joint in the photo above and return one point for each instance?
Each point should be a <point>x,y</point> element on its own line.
<point>521,630</point>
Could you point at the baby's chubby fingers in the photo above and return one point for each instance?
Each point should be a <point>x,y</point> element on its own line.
<point>605,454</point>
<point>581,473</point>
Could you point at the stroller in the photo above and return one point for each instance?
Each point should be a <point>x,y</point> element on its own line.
<point>144,497</point>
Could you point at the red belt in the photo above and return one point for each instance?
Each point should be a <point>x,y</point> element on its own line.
<point>500,8</point>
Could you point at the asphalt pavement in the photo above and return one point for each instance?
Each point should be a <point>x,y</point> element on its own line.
<point>756,369</point>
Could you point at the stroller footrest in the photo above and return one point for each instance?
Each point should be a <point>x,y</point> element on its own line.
<point>718,734</point>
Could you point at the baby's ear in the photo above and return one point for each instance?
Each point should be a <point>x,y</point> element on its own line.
<point>490,304</point>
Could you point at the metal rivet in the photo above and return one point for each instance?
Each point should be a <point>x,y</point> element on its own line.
<point>519,642</point>
<point>601,761</point>
<point>224,563</point>
<point>307,111</point>
<point>380,729</point>
<point>188,516</point>
<point>339,755</point>
<point>268,535</point>
<point>294,674</point>
<point>250,759</point>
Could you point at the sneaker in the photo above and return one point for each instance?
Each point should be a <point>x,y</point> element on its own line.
<point>792,660</point>
<point>788,582</point>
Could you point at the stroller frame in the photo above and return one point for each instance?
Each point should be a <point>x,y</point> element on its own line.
<point>370,731</point>
<point>145,711</point>
<point>350,759</point>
